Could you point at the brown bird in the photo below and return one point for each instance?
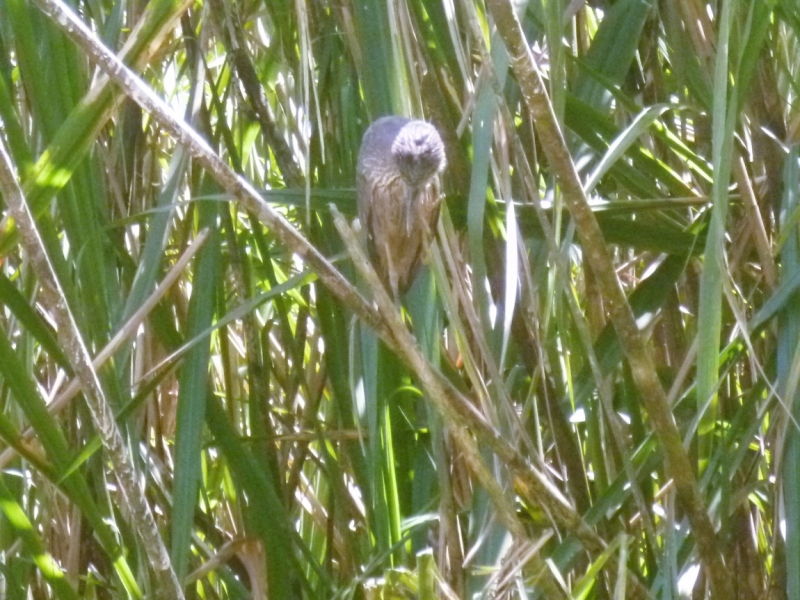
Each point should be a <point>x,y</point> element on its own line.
<point>398,159</point>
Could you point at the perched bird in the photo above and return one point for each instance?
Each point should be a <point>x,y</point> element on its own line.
<point>398,160</point>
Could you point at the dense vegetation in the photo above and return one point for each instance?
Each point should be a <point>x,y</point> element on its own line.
<point>587,393</point>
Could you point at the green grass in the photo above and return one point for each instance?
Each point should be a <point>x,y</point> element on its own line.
<point>589,392</point>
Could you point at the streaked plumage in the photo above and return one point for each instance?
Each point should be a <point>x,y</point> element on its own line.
<point>398,160</point>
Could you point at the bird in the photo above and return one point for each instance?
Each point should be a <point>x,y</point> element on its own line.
<point>398,160</point>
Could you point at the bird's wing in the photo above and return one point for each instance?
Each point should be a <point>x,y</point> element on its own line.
<point>365,213</point>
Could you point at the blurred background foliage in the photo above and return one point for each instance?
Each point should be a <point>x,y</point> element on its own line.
<point>285,452</point>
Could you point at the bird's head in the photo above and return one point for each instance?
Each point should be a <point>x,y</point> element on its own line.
<point>419,152</point>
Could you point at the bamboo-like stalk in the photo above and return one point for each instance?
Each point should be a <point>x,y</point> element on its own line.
<point>677,464</point>
<point>69,337</point>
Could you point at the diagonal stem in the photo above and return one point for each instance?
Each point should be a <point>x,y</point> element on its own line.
<point>78,355</point>
<point>677,464</point>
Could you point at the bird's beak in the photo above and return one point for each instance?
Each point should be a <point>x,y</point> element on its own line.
<point>411,195</point>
